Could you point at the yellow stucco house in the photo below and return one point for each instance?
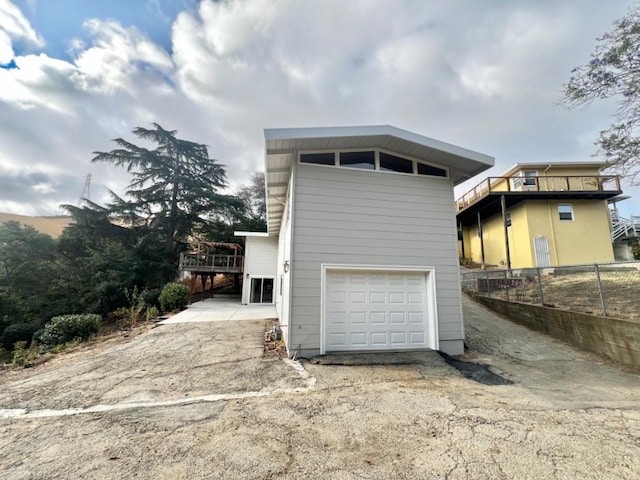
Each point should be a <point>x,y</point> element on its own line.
<point>538,215</point>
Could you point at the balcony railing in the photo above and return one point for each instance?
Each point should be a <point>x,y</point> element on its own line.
<point>200,262</point>
<point>582,183</point>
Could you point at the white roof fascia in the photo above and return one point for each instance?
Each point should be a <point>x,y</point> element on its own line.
<point>371,130</point>
<point>250,234</point>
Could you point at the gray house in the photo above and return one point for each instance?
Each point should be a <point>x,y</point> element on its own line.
<point>361,250</point>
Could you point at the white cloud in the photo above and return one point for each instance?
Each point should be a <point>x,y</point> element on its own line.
<point>14,26</point>
<point>6,48</point>
<point>482,74</point>
<point>115,56</point>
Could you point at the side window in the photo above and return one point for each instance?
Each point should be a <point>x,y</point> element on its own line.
<point>364,160</point>
<point>565,212</point>
<point>318,158</point>
<point>530,178</point>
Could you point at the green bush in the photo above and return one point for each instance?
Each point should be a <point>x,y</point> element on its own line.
<point>66,328</point>
<point>173,297</point>
<point>24,356</point>
<point>18,332</point>
<point>151,296</point>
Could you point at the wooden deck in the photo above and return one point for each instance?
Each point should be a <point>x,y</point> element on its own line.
<point>586,186</point>
<point>200,263</point>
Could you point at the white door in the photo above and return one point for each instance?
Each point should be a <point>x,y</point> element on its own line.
<point>373,310</point>
<point>541,246</point>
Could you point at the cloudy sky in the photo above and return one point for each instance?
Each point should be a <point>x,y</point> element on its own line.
<point>483,74</point>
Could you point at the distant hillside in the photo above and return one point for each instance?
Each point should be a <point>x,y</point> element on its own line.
<point>50,225</point>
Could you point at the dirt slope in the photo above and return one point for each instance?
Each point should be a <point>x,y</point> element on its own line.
<point>50,225</point>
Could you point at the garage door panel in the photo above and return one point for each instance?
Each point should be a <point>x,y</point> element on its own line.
<point>358,339</point>
<point>417,338</point>
<point>338,297</point>
<point>415,297</point>
<point>398,338</point>
<point>396,297</point>
<point>337,318</point>
<point>377,297</point>
<point>379,338</point>
<point>376,311</point>
<point>357,297</point>
<point>338,339</point>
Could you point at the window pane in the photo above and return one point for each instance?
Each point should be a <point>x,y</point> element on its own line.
<point>319,158</point>
<point>528,181</point>
<point>391,163</point>
<point>357,160</point>
<point>256,290</point>
<point>267,290</point>
<point>429,170</point>
<point>565,212</point>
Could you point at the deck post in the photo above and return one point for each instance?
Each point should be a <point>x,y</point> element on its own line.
<point>506,230</point>
<point>481,239</point>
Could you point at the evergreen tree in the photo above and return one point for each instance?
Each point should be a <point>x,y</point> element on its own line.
<point>175,186</point>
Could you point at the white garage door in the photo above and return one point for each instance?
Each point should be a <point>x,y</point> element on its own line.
<point>375,310</point>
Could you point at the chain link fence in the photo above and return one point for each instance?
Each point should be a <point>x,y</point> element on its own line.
<point>607,289</point>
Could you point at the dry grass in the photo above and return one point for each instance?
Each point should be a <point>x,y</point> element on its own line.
<point>52,226</point>
<point>579,292</point>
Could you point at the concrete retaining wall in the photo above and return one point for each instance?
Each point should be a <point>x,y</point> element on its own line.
<point>615,338</point>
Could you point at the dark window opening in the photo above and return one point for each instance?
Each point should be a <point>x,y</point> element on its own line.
<point>261,290</point>
<point>424,169</point>
<point>391,163</point>
<point>364,160</point>
<point>319,158</point>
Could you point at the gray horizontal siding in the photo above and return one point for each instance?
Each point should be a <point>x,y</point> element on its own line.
<point>358,217</point>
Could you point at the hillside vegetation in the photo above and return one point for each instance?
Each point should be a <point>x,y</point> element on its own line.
<point>52,226</point>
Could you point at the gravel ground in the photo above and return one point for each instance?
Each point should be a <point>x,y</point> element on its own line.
<point>200,401</point>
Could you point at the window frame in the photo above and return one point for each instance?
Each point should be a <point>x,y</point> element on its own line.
<point>570,212</point>
<point>376,168</point>
<point>520,180</point>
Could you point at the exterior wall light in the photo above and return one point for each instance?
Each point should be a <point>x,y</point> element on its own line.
<point>286,266</point>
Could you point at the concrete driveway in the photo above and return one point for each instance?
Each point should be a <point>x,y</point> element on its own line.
<point>222,308</point>
<point>199,400</point>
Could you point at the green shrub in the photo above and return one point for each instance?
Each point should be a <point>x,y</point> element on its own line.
<point>151,296</point>
<point>18,332</point>
<point>152,312</point>
<point>66,328</point>
<point>23,356</point>
<point>173,297</point>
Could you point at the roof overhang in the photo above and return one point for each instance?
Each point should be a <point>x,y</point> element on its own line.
<point>544,165</point>
<point>283,145</point>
